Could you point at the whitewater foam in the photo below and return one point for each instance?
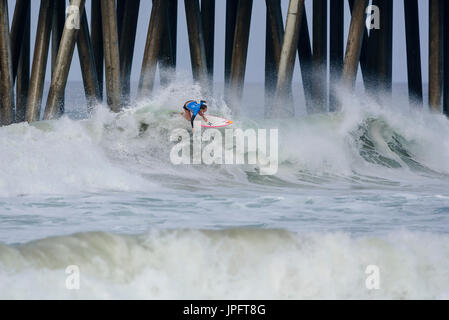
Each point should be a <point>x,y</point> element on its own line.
<point>237,264</point>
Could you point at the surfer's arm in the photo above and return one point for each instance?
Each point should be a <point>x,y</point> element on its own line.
<point>203,116</point>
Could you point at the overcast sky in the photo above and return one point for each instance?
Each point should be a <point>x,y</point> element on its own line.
<point>256,51</point>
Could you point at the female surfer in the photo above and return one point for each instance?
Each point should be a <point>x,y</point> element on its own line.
<point>192,109</point>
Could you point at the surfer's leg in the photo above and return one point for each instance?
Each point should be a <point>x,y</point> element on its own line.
<point>187,115</point>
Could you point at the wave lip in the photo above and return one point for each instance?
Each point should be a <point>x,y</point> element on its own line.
<point>228,264</point>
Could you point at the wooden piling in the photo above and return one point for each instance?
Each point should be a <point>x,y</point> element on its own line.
<point>231,16</point>
<point>40,58</point>
<point>128,27</point>
<point>18,30</point>
<point>111,54</point>
<point>354,44</point>
<point>152,49</point>
<point>196,41</point>
<point>56,35</point>
<point>435,54</point>
<point>319,83</point>
<point>167,58</point>
<point>240,48</point>
<point>87,63</point>
<point>336,51</point>
<point>288,55</point>
<point>6,76</point>
<point>64,60</point>
<point>97,41</point>
<point>413,51</point>
<point>23,71</point>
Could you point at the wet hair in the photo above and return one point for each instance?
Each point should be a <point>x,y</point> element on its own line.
<point>203,104</point>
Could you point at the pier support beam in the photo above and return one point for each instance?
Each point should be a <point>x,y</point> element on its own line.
<point>40,58</point>
<point>274,39</point>
<point>56,35</point>
<point>446,59</point>
<point>63,60</point>
<point>152,49</point>
<point>23,71</point>
<point>167,59</point>
<point>413,52</point>
<point>336,49</point>
<point>288,55</point>
<point>196,41</point>
<point>97,41</point>
<point>87,62</point>
<point>380,50</point>
<point>354,44</point>
<point>18,30</point>
<point>319,84</point>
<point>111,54</point>
<point>127,41</point>
<point>435,54</point>
<point>231,17</point>
<point>363,52</point>
<point>6,76</point>
<point>208,24</point>
<point>208,27</point>
<point>305,61</point>
<point>240,48</point>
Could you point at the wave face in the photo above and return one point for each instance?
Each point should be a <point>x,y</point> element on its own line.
<point>228,264</point>
<point>364,144</point>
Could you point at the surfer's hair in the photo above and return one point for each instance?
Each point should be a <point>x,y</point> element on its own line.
<point>203,104</point>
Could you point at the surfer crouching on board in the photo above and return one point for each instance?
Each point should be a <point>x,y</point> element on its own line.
<point>192,109</point>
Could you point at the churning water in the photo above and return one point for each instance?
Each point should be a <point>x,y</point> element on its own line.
<point>365,186</point>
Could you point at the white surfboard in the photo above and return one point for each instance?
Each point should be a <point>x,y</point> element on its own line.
<point>213,122</point>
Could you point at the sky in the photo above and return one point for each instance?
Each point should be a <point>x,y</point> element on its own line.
<point>256,50</point>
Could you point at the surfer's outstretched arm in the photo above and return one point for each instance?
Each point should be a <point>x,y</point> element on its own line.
<point>201,113</point>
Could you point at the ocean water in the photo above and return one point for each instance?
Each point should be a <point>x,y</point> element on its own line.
<point>367,186</point>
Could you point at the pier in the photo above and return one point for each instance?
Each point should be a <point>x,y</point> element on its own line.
<point>106,42</point>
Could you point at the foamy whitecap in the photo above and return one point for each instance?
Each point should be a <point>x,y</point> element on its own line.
<point>228,264</point>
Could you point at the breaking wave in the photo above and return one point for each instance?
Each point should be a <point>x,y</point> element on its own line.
<point>228,264</point>
<point>364,143</point>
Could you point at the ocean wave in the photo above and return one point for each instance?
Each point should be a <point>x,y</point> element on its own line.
<point>234,263</point>
<point>364,143</point>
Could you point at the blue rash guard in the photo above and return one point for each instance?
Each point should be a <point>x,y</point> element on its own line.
<point>195,108</point>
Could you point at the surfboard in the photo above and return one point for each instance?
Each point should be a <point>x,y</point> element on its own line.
<point>214,122</point>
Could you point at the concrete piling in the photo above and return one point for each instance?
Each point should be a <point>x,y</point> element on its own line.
<point>354,44</point>
<point>111,54</point>
<point>64,59</point>
<point>240,49</point>
<point>288,55</point>
<point>152,49</point>
<point>87,63</point>
<point>6,73</point>
<point>40,58</point>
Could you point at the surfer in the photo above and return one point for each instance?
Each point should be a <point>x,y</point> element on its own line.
<point>192,109</point>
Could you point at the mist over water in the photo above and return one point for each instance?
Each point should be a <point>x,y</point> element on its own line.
<point>364,186</point>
